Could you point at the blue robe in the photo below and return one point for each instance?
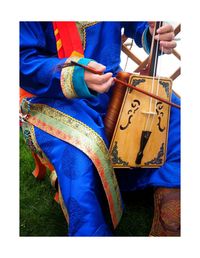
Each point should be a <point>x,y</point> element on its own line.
<point>79,182</point>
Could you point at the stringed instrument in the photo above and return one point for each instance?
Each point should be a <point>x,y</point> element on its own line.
<point>136,123</point>
<point>138,114</point>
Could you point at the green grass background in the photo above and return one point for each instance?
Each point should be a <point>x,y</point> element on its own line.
<point>40,215</point>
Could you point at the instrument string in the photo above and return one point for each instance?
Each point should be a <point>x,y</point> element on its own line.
<point>157,93</point>
<point>152,111</point>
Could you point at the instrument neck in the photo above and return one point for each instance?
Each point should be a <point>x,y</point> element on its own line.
<point>154,53</point>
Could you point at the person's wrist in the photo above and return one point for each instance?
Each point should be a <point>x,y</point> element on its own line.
<point>72,79</point>
<point>80,85</point>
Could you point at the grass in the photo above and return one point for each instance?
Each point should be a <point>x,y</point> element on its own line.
<point>40,215</point>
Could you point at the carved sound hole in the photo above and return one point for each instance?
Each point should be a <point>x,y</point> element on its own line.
<point>135,105</point>
<point>160,114</point>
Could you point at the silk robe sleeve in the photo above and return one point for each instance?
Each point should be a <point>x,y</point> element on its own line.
<point>39,72</point>
<point>139,31</point>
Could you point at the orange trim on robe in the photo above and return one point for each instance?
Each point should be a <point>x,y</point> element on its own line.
<point>67,38</point>
<point>24,94</point>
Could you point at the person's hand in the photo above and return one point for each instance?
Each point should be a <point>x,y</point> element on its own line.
<point>166,36</point>
<point>96,82</point>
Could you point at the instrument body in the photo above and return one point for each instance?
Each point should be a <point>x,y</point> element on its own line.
<point>136,114</point>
